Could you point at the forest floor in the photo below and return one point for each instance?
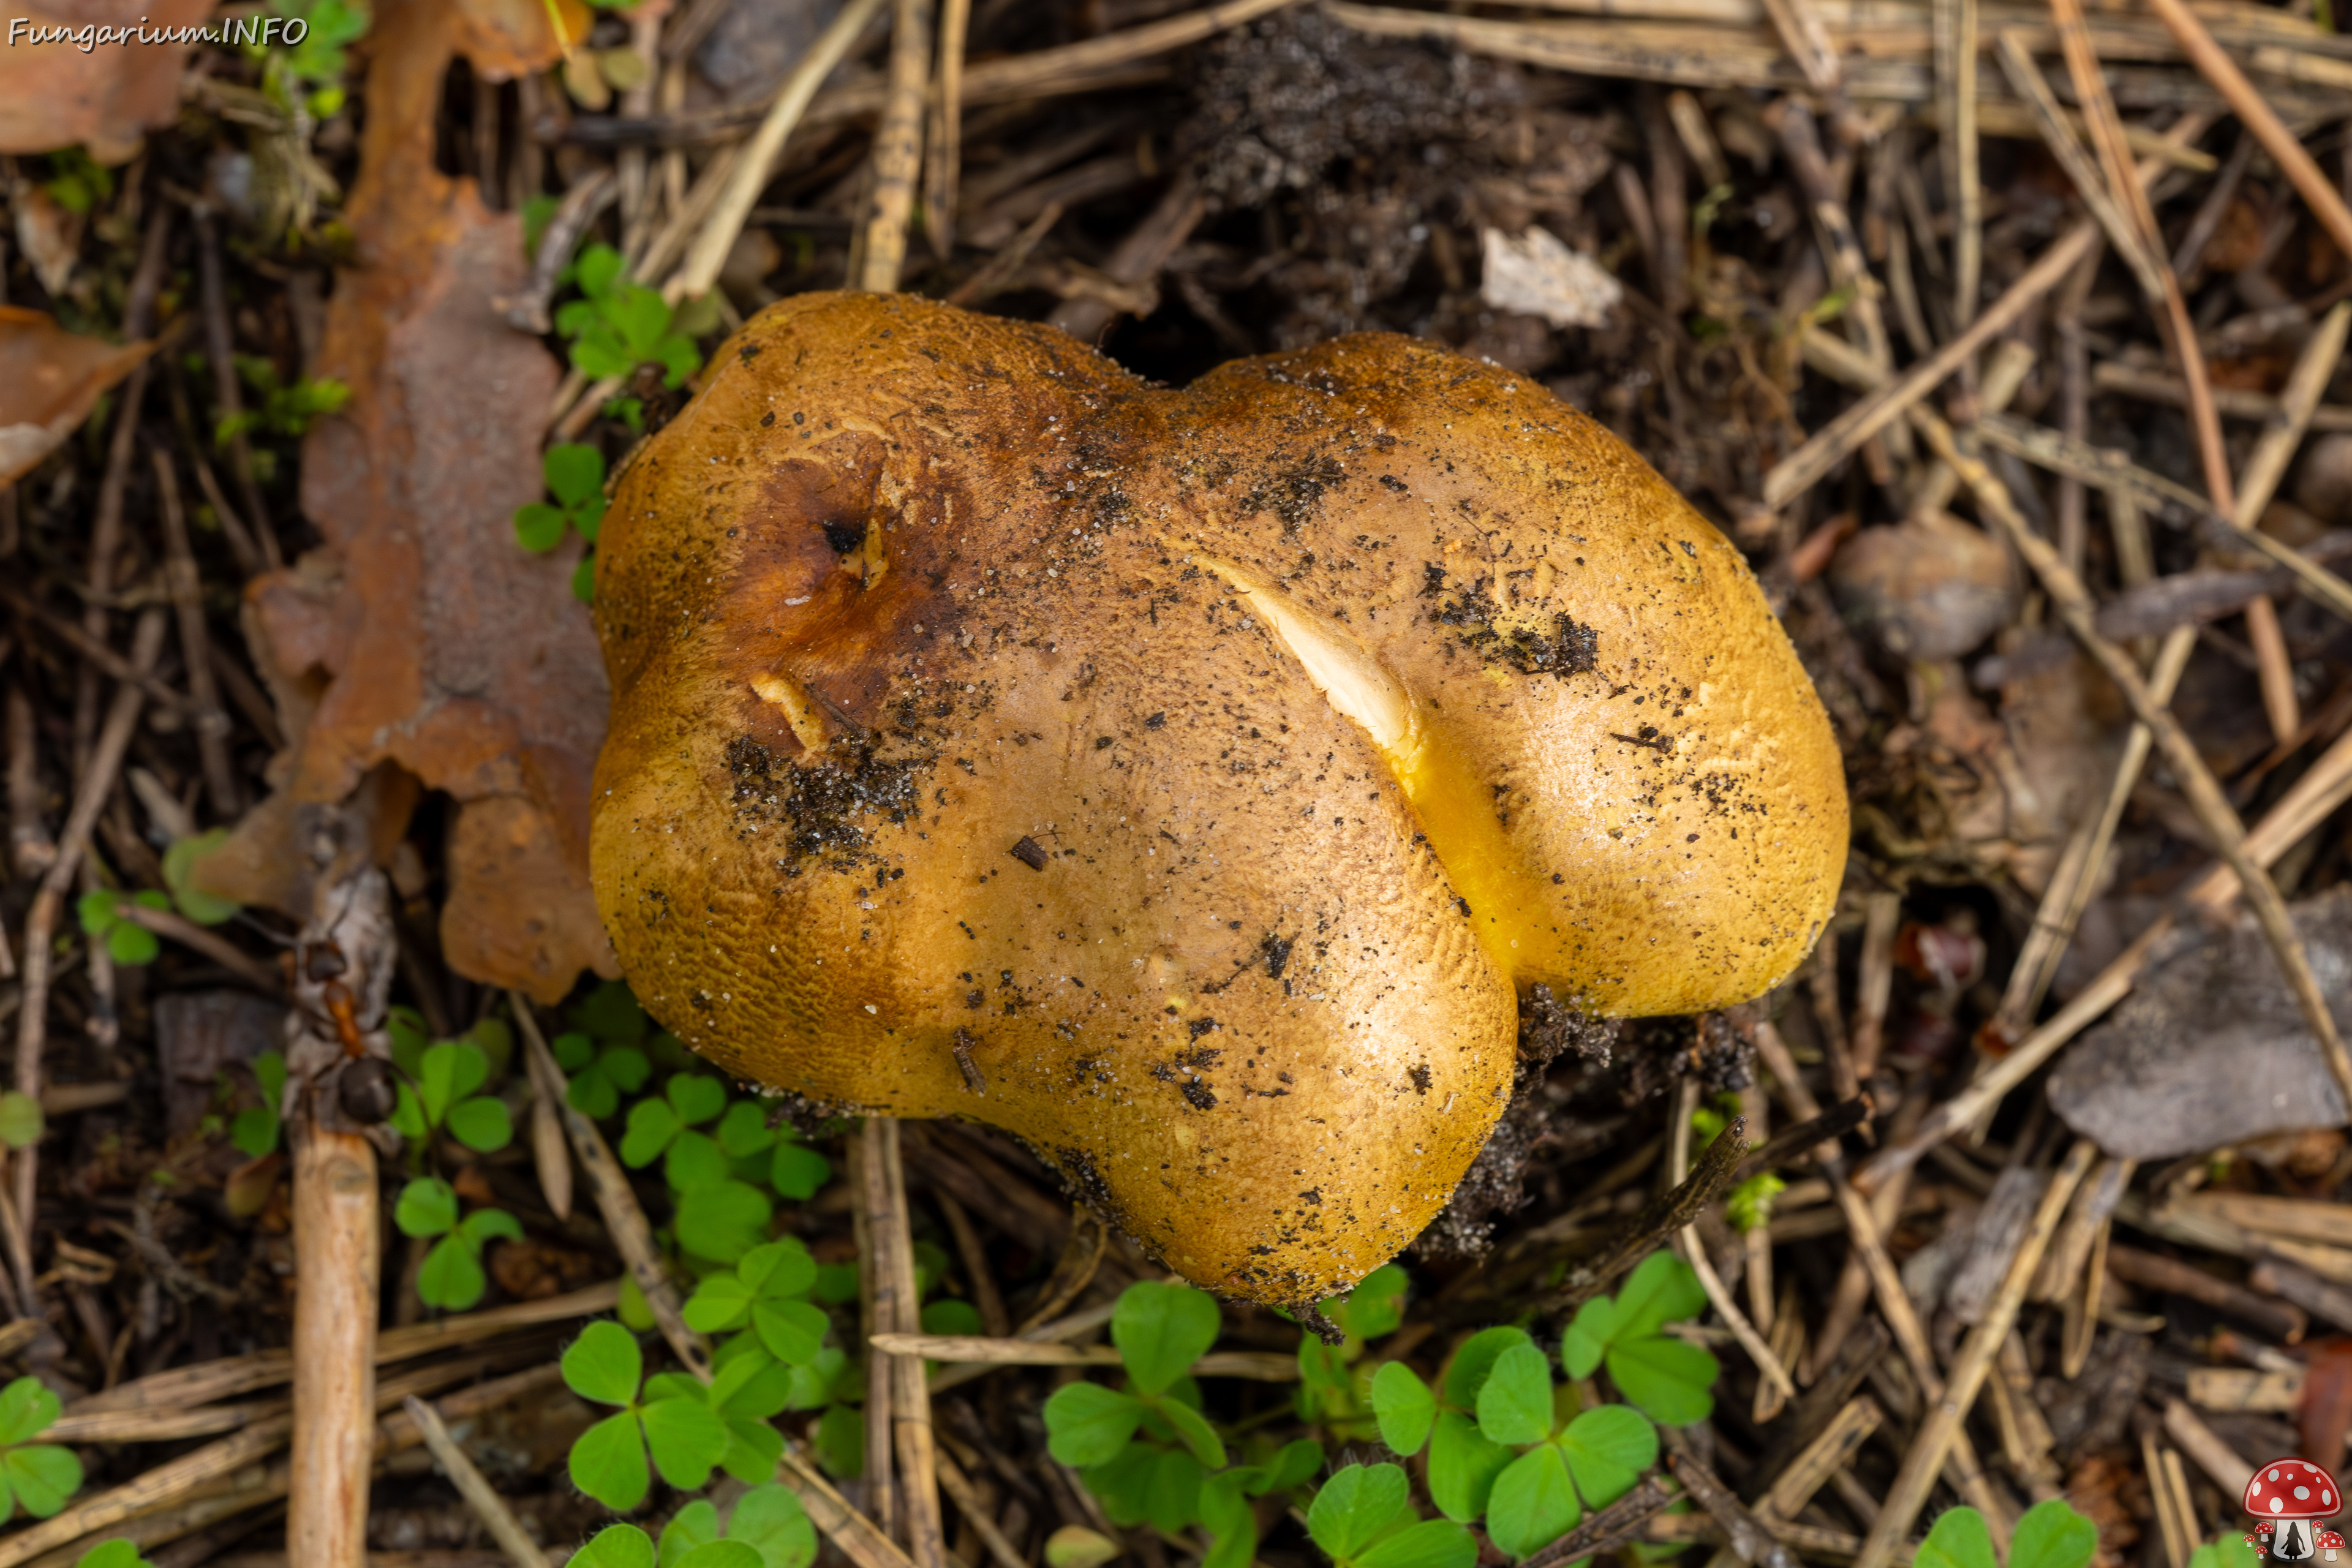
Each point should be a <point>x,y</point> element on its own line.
<point>2022,443</point>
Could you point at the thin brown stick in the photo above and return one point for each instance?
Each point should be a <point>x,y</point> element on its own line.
<point>881,251</point>
<point>2248,104</point>
<point>1833,443</point>
<point>968,1503</point>
<point>2062,912</point>
<point>1883,917</point>
<point>179,1479</point>
<point>30,848</point>
<point>232,1376</point>
<point>2275,449</point>
<point>1601,1533</point>
<point>633,1238</point>
<point>105,660</point>
<point>2025,76</point>
<point>878,1281</point>
<point>748,173</point>
<point>253,556</point>
<point>220,348</point>
<point>2106,128</point>
<point>859,1540</point>
<point>474,1487</point>
<point>160,1426</point>
<point>2213,1454</point>
<point>212,944</point>
<point>1663,1217</point>
<point>1747,1537</point>
<point>48,905</point>
<point>2325,786</point>
<point>911,1399</point>
<point>1139,258</point>
<point>1925,1459</point>
<point>195,644</point>
<point>1955,48</point>
<point>986,1297</point>
<point>943,156</point>
<point>2204,792</point>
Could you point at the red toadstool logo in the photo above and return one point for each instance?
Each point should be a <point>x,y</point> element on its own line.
<point>2288,1496</point>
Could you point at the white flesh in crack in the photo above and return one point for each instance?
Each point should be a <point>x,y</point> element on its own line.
<point>1478,859</point>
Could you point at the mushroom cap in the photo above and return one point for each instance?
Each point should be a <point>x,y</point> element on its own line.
<point>2292,1488</point>
<point>1183,781</point>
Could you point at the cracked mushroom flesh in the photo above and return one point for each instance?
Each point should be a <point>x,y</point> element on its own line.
<point>1186,782</point>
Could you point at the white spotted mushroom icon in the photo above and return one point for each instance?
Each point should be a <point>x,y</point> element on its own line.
<point>2292,1496</point>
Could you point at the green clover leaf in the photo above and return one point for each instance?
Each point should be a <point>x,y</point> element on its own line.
<point>1462,1464</point>
<point>1161,1330</point>
<point>1356,1507</point>
<point>1533,1504</point>
<point>1960,1540</point>
<point>21,1119</point>
<point>615,1546</point>
<point>179,871</point>
<point>2052,1535</point>
<point>444,1100</point>
<point>600,1073</point>
<point>1405,1406</point>
<point>1668,1378</point>
<point>1607,1448</point>
<point>1514,1405</point>
<point>1086,1424</point>
<point>38,1478</point>
<point>1474,1361</point>
<point>451,1276</point>
<point>675,1425</point>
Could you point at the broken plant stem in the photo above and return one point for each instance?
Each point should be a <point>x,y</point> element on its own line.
<point>1938,1433</point>
<point>474,1487</point>
<point>633,1238</point>
<point>342,988</point>
<point>1641,1234</point>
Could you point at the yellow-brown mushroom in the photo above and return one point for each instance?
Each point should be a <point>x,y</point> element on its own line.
<point>1184,781</point>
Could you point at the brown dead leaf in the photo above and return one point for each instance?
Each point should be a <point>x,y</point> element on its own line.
<point>49,381</point>
<point>58,92</point>
<point>421,634</point>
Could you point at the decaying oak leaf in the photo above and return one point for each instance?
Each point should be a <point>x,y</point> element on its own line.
<point>56,92</point>
<point>1183,780</point>
<point>49,381</point>
<point>420,635</point>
